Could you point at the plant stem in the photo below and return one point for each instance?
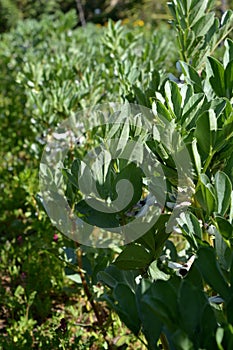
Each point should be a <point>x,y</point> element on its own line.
<point>220,40</point>
<point>95,306</point>
<point>208,160</point>
<point>207,163</point>
<point>81,13</point>
<point>87,291</point>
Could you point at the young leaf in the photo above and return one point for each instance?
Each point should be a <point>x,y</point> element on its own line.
<point>223,192</point>
<point>202,26</point>
<point>190,227</point>
<point>228,55</point>
<point>161,110</point>
<point>208,194</point>
<point>228,79</point>
<point>173,98</point>
<point>192,76</point>
<point>217,79</point>
<point>196,155</point>
<point>197,10</point>
<point>206,128</point>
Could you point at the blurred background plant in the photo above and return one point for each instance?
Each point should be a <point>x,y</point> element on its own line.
<point>98,11</point>
<point>50,68</point>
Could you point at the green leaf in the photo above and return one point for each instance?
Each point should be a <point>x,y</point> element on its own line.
<point>181,341</point>
<point>71,178</point>
<point>208,194</point>
<point>161,235</point>
<point>75,167</point>
<point>85,178</point>
<point>197,11</point>
<point>133,174</point>
<point>106,278</point>
<point>100,168</point>
<point>191,110</point>
<point>229,311</point>
<point>155,80</point>
<point>224,227</point>
<point>163,111</point>
<point>118,143</point>
<point>151,325</point>
<point>223,192</point>
<point>231,209</point>
<point>228,79</point>
<point>70,255</point>
<point>156,273</point>
<point>202,26</point>
<point>223,251</point>
<point>148,240</point>
<point>194,277</point>
<point>140,96</point>
<point>217,79</point>
<point>196,156</point>
<point>228,55</point>
<point>210,269</point>
<point>173,98</point>
<point>208,325</point>
<point>75,277</point>
<point>192,76</point>
<point>133,257</point>
<point>219,338</point>
<point>95,217</point>
<point>126,307</point>
<point>112,275</point>
<point>191,303</point>
<point>161,300</point>
<point>206,128</point>
<point>190,227</point>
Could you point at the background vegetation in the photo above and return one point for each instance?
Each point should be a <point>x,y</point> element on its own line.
<point>47,72</point>
<point>98,11</point>
<point>50,68</point>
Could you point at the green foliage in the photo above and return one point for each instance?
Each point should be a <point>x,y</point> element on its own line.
<point>99,11</point>
<point>184,313</point>
<point>47,72</point>
<point>168,287</point>
<point>9,14</point>
<point>199,31</point>
<point>14,10</point>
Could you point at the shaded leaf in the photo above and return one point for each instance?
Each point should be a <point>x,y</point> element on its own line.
<point>133,257</point>
<point>209,268</point>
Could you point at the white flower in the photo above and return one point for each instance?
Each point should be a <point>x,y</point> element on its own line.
<point>182,269</point>
<point>177,229</point>
<point>174,265</point>
<point>211,230</point>
<point>138,279</point>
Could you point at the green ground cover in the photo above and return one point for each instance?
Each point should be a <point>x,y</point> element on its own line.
<point>58,294</point>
